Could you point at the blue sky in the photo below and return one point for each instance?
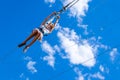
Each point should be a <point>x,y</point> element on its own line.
<point>88,29</point>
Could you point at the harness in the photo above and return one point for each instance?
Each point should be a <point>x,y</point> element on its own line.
<point>43,28</point>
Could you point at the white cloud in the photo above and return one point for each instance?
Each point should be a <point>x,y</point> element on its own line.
<point>97,76</point>
<point>30,66</point>
<point>48,49</point>
<point>50,2</point>
<point>78,72</point>
<point>104,69</point>
<point>85,27</point>
<point>27,58</point>
<point>57,48</point>
<point>50,59</point>
<point>88,76</point>
<point>78,51</point>
<point>81,77</point>
<point>23,77</point>
<point>79,9</point>
<point>101,68</point>
<point>113,53</point>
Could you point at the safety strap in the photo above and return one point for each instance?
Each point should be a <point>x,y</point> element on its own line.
<point>73,4</point>
<point>68,6</point>
<point>51,19</point>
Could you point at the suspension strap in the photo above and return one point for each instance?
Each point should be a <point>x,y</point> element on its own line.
<point>73,4</point>
<point>68,6</point>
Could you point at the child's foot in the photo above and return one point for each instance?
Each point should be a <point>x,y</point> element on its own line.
<point>25,49</point>
<point>22,44</point>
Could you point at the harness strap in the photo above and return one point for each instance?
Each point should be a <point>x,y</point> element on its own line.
<point>68,6</point>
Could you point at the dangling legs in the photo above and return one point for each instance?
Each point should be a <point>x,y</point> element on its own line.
<point>24,42</point>
<point>38,34</point>
<point>35,38</point>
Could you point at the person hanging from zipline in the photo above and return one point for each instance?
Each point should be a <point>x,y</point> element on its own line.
<point>45,29</point>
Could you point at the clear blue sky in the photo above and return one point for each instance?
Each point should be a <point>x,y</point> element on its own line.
<point>19,17</point>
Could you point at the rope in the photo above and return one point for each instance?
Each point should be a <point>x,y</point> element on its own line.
<point>67,6</point>
<point>2,59</point>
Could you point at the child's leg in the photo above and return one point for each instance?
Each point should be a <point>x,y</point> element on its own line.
<point>31,35</point>
<point>35,38</point>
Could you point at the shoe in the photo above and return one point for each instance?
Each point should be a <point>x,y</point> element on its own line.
<point>25,49</point>
<point>22,44</point>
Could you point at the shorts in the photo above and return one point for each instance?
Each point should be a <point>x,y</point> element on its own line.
<point>39,31</point>
<point>44,30</point>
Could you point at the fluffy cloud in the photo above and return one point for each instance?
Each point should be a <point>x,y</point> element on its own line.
<point>50,59</point>
<point>104,69</point>
<point>48,49</point>
<point>113,53</point>
<point>57,48</point>
<point>101,68</point>
<point>80,75</point>
<point>77,50</point>
<point>79,9</point>
<point>27,58</point>
<point>23,77</point>
<point>88,76</point>
<point>96,76</point>
<point>30,66</point>
<point>85,27</point>
<point>50,2</point>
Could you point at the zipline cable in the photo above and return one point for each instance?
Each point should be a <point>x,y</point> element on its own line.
<point>9,53</point>
<point>69,5</point>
